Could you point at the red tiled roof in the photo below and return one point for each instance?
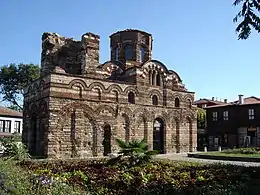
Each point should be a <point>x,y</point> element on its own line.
<point>247,101</point>
<point>8,112</point>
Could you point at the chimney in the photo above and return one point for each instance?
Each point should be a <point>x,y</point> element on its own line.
<point>225,100</point>
<point>240,99</point>
<point>213,98</point>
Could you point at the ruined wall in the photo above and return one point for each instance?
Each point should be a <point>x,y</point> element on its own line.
<point>74,57</point>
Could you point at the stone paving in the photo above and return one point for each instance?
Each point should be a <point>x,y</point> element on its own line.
<point>184,157</point>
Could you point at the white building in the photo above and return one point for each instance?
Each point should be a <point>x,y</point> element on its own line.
<point>11,121</point>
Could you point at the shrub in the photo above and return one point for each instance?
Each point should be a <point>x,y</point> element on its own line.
<point>14,148</point>
<point>133,153</point>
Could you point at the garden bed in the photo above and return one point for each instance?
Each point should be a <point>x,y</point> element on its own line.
<point>155,177</point>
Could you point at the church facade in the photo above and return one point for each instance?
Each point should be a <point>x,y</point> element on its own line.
<point>78,107</point>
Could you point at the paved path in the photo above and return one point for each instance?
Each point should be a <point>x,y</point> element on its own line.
<point>184,157</point>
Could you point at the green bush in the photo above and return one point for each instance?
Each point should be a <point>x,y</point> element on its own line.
<point>14,148</point>
<point>153,177</point>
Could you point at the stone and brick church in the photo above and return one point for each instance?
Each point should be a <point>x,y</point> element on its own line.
<point>78,107</point>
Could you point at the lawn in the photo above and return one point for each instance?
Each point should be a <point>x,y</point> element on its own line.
<point>239,152</point>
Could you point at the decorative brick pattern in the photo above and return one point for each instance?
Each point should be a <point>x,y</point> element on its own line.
<point>66,112</point>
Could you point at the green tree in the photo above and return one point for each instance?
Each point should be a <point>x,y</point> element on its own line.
<point>13,79</point>
<point>249,17</point>
<point>201,118</point>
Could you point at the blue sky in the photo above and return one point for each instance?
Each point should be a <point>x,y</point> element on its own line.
<point>195,38</point>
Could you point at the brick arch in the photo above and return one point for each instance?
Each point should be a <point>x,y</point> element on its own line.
<point>97,84</point>
<point>188,97</point>
<point>62,117</point>
<point>78,82</point>
<point>127,111</point>
<point>105,107</point>
<point>155,92</point>
<point>177,95</point>
<point>75,105</point>
<point>141,110</point>
<point>115,87</point>
<point>132,89</point>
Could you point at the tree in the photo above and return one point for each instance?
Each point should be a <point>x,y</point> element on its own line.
<point>13,79</point>
<point>249,18</point>
<point>201,118</point>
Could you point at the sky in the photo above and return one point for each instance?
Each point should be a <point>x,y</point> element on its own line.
<point>197,39</point>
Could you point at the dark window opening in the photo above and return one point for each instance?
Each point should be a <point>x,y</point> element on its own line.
<point>131,98</point>
<point>155,100</point>
<point>128,52</point>
<point>5,126</point>
<point>177,102</point>
<point>158,79</point>
<point>142,54</point>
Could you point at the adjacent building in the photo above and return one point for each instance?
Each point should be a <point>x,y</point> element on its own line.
<point>79,106</point>
<point>202,137</point>
<point>11,121</point>
<point>234,124</point>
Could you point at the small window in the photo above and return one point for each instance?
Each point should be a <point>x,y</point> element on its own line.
<point>215,116</point>
<point>177,102</point>
<point>158,79</point>
<point>5,126</point>
<point>251,114</point>
<point>225,115</point>
<point>155,100</point>
<point>17,126</point>
<point>116,54</point>
<point>131,98</point>
<point>128,52</point>
<point>189,103</point>
<point>142,54</point>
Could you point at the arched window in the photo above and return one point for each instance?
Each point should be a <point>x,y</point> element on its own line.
<point>116,54</point>
<point>131,97</point>
<point>177,102</point>
<point>189,103</point>
<point>155,100</point>
<point>158,79</point>
<point>128,52</point>
<point>153,78</point>
<point>142,54</point>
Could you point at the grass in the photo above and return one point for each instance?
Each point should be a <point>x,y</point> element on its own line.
<point>231,154</point>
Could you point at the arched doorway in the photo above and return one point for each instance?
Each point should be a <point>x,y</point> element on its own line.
<point>107,140</point>
<point>158,135</point>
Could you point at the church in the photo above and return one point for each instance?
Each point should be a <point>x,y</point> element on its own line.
<point>79,106</point>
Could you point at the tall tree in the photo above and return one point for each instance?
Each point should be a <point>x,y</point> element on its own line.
<point>13,79</point>
<point>249,17</point>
